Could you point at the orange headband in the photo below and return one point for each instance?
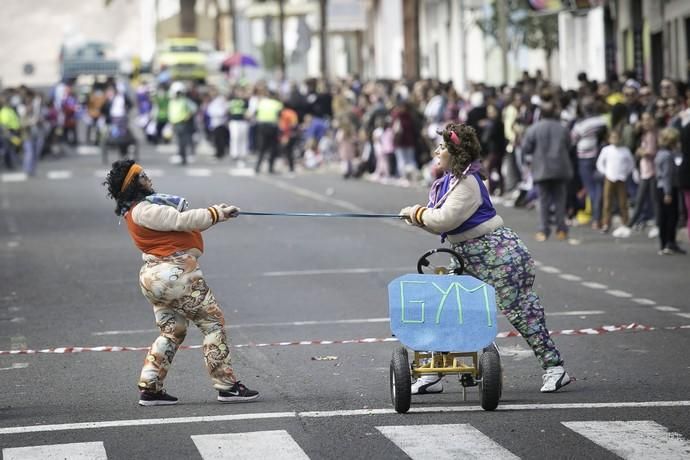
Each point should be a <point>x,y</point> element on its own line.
<point>133,171</point>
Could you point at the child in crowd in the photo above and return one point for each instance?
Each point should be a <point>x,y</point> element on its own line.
<point>647,188</point>
<point>383,148</point>
<point>326,146</point>
<point>615,163</point>
<point>461,211</point>
<point>345,138</point>
<point>312,156</point>
<point>667,190</point>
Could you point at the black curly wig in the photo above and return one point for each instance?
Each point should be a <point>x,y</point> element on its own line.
<point>466,151</point>
<point>132,194</point>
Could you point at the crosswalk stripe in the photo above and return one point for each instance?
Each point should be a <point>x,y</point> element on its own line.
<point>73,451</point>
<point>640,439</point>
<point>14,177</point>
<point>166,148</point>
<point>276,445</point>
<point>59,174</point>
<point>88,150</point>
<point>458,441</point>
<point>199,172</point>
<point>241,172</point>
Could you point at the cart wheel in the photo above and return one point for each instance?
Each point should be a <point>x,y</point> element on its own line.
<point>493,348</point>
<point>400,382</point>
<point>490,385</point>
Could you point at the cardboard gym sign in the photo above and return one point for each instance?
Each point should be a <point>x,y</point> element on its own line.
<point>442,312</point>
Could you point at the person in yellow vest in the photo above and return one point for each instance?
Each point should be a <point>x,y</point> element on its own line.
<point>169,236</point>
<point>181,112</point>
<point>10,135</point>
<point>267,115</point>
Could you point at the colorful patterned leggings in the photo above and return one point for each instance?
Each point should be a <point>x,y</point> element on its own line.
<point>176,288</point>
<point>502,260</point>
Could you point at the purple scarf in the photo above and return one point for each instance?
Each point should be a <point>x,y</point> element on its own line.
<point>441,185</point>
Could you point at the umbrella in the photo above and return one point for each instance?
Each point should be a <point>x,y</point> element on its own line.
<point>239,60</point>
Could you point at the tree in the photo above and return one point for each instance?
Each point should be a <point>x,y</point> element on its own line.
<point>187,17</point>
<point>323,51</point>
<point>523,27</point>
<point>541,32</point>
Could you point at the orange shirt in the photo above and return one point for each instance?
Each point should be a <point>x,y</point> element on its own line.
<point>159,243</point>
<point>287,123</point>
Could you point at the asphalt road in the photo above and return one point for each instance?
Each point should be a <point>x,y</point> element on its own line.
<point>69,276</point>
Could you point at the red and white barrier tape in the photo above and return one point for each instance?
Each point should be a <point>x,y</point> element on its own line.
<point>633,327</point>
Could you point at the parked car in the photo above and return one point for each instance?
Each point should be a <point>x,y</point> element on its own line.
<point>182,58</point>
<point>90,58</point>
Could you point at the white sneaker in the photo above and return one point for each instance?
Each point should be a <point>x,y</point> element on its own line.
<point>426,384</point>
<point>622,232</point>
<point>653,233</point>
<point>554,378</point>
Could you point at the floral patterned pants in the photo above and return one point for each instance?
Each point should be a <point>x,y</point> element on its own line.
<point>176,288</point>
<point>502,260</point>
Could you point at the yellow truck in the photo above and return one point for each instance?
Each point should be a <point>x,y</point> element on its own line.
<point>182,58</point>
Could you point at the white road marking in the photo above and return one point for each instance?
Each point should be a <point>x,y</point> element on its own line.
<point>14,177</point>
<point>166,148</point>
<point>637,439</point>
<point>319,414</point>
<point>458,441</point>
<point>277,445</point>
<point>617,293</point>
<point>666,308</point>
<point>144,422</point>
<point>13,244</point>
<point>325,322</point>
<point>334,271</point>
<point>88,150</point>
<point>576,313</point>
<point>506,407</point>
<point>644,301</point>
<point>15,366</point>
<point>549,269</point>
<point>593,285</point>
<point>683,315</point>
<point>73,451</point>
<point>199,172</point>
<point>569,277</point>
<point>241,172</point>
<point>59,175</point>
<point>287,323</point>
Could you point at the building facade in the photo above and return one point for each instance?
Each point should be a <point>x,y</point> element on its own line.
<point>648,38</point>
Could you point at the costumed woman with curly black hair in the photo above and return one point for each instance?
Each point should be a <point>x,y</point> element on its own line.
<point>460,210</point>
<point>169,235</point>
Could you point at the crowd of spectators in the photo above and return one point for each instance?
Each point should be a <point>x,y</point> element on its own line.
<point>625,143</point>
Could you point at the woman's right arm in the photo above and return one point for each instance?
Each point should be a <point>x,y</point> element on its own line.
<point>462,202</point>
<point>168,219</point>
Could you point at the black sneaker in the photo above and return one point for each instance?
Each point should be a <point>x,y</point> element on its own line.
<point>238,393</point>
<point>149,398</point>
<point>676,249</point>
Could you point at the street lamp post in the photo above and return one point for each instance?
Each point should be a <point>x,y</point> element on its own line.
<point>323,12</point>
<point>281,32</point>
